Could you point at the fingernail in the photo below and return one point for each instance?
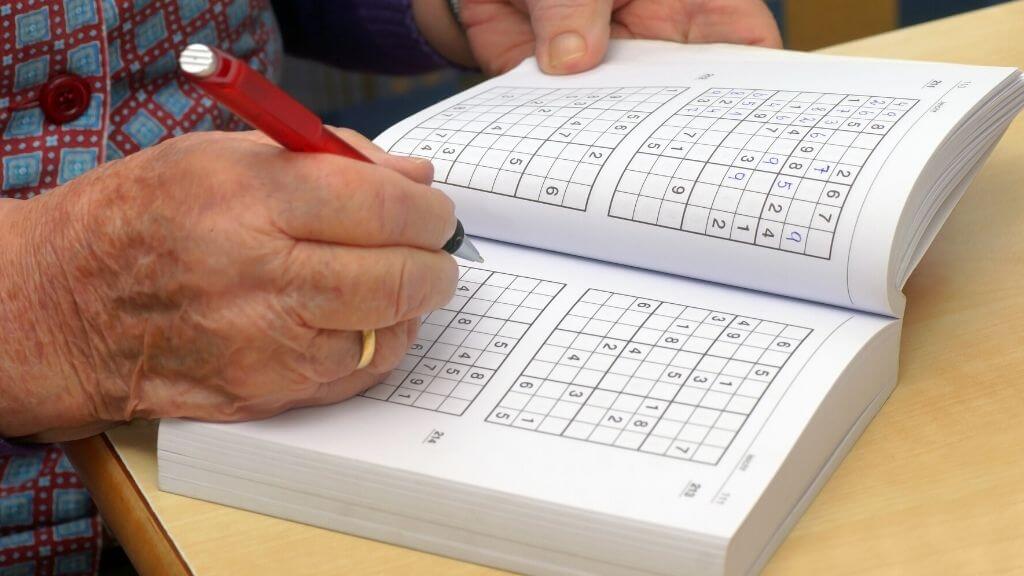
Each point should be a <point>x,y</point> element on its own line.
<point>565,47</point>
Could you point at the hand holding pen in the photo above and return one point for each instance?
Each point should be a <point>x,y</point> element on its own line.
<point>272,111</point>
<point>269,109</point>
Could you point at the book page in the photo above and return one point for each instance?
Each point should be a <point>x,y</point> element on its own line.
<point>563,381</point>
<point>743,166</point>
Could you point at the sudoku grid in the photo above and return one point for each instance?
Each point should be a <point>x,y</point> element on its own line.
<point>646,375</point>
<point>538,144</point>
<point>761,167</point>
<point>462,345</point>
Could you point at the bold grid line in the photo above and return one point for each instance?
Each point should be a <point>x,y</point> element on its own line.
<point>814,118</point>
<point>573,105</point>
<point>681,391</point>
<point>469,372</point>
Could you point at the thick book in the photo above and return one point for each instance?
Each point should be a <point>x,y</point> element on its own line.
<point>689,312</point>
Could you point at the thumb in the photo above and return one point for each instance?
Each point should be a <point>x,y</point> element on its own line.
<point>571,35</point>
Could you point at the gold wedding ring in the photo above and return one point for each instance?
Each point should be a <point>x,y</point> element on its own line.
<point>369,347</point>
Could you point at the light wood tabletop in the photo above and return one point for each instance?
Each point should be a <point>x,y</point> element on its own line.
<point>934,486</point>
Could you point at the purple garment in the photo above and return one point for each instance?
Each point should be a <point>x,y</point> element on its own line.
<point>8,449</point>
<point>371,35</point>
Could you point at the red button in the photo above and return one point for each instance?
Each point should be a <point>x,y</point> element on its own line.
<point>65,98</point>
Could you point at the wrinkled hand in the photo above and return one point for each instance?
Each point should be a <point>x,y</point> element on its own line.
<point>570,36</point>
<point>215,276</point>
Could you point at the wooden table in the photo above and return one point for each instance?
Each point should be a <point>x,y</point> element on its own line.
<point>934,486</point>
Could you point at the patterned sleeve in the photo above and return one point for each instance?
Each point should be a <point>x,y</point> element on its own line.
<point>48,523</point>
<point>368,35</point>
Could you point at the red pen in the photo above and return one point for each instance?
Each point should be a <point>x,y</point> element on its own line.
<point>272,111</point>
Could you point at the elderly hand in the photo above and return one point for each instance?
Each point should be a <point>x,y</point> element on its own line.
<point>214,276</point>
<point>570,36</point>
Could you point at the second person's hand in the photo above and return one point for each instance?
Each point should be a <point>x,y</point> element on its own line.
<point>569,36</point>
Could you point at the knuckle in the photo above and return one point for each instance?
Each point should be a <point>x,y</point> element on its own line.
<point>360,184</point>
<point>309,171</point>
<point>392,211</point>
<point>403,288</point>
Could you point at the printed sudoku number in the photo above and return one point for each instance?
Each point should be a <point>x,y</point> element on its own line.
<point>539,144</point>
<point>646,375</point>
<point>460,346</point>
<point>761,167</point>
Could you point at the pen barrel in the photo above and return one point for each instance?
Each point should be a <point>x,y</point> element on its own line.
<point>266,107</point>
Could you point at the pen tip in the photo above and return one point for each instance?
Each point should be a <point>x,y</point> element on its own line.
<point>469,252</point>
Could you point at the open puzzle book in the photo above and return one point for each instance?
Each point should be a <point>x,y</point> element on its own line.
<point>689,312</point>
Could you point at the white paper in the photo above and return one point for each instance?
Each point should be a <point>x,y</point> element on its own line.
<point>774,171</point>
<point>685,436</point>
